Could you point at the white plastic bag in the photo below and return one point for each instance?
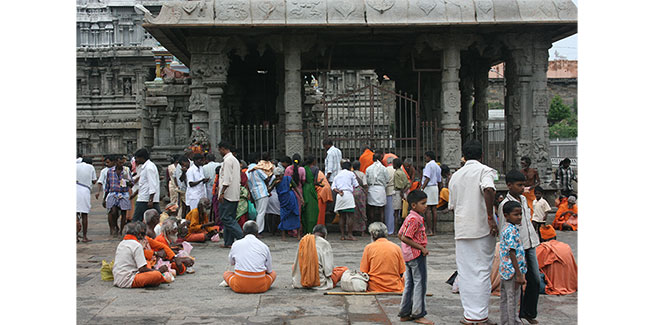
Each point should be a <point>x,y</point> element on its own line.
<point>354,281</point>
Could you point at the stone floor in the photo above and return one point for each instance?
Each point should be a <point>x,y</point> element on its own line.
<point>197,298</point>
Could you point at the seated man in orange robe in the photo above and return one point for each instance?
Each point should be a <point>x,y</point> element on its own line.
<point>200,228</point>
<point>566,217</point>
<point>130,266</point>
<point>167,238</point>
<point>383,262</point>
<point>253,265</point>
<point>557,263</point>
<point>313,267</point>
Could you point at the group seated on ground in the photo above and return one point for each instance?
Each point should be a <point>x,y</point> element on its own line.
<point>314,267</point>
<point>566,217</point>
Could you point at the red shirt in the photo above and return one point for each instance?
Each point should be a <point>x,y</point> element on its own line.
<point>414,229</point>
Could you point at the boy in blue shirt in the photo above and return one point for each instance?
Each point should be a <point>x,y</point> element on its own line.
<point>512,264</point>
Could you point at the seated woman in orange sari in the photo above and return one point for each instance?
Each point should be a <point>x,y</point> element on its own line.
<point>566,217</point>
<point>200,228</point>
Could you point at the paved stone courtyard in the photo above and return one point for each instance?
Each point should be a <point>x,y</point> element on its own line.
<point>198,299</point>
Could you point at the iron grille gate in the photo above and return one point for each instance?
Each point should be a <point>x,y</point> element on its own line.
<point>370,115</point>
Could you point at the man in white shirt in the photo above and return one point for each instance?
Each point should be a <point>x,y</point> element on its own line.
<point>195,181</point>
<point>472,194</point>
<point>332,160</point>
<point>228,194</point>
<point>102,179</point>
<point>86,176</point>
<point>431,185</point>
<point>377,178</point>
<point>148,185</point>
<point>253,264</point>
<point>130,267</point>
<point>209,170</point>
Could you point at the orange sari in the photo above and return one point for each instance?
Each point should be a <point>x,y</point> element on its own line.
<point>324,196</point>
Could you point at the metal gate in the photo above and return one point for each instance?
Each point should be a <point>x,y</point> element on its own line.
<point>371,115</point>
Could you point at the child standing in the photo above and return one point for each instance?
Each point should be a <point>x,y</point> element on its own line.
<point>512,264</point>
<point>530,297</point>
<point>414,247</point>
<point>540,207</point>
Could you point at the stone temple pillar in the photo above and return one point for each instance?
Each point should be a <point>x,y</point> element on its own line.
<point>526,103</point>
<point>450,138</point>
<point>293,136</point>
<point>480,108</point>
<point>209,66</point>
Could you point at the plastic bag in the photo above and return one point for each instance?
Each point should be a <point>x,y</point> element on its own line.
<point>106,271</point>
<point>252,211</point>
<point>405,209</point>
<point>216,238</point>
<point>354,281</point>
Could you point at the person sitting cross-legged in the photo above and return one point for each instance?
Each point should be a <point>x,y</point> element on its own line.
<point>200,228</point>
<point>130,265</point>
<point>168,237</point>
<point>253,265</point>
<point>383,261</point>
<point>314,266</point>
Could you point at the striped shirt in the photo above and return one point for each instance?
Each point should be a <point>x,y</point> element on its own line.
<point>564,177</point>
<point>257,183</point>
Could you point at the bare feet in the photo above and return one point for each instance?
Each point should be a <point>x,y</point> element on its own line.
<point>351,238</point>
<point>343,238</point>
<point>423,320</point>
<point>531,320</point>
<point>224,246</point>
<point>405,319</point>
<point>86,240</point>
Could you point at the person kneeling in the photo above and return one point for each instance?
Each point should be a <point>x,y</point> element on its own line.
<point>313,267</point>
<point>253,265</point>
<point>130,265</point>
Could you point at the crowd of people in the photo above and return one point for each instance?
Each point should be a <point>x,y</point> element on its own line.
<point>378,193</point>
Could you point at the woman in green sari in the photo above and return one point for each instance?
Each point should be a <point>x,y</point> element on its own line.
<point>310,208</point>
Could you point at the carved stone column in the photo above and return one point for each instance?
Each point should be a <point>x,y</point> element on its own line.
<point>209,66</point>
<point>450,137</point>
<point>293,139</point>
<point>466,115</point>
<point>480,108</point>
<point>526,103</point>
<point>155,124</point>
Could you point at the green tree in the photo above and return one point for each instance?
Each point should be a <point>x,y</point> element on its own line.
<point>558,111</point>
<point>495,105</point>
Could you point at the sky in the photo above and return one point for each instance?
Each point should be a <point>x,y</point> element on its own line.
<point>567,47</point>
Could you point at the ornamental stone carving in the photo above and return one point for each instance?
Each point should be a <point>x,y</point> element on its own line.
<point>268,11</point>
<point>484,10</point>
<point>460,11</point>
<point>198,101</point>
<point>346,12</point>
<point>537,10</point>
<point>427,11</point>
<point>233,11</point>
<point>381,5</point>
<point>306,11</point>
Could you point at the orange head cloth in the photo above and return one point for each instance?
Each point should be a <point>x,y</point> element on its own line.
<point>547,232</point>
<point>308,262</point>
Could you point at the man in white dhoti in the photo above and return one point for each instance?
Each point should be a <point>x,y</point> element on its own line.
<point>431,185</point>
<point>195,181</point>
<point>472,194</point>
<point>86,176</point>
<point>377,178</point>
<point>344,184</point>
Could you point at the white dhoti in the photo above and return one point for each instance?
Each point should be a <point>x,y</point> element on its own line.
<point>83,199</point>
<point>261,205</point>
<point>433,194</point>
<point>474,258</point>
<point>344,202</point>
<point>377,196</point>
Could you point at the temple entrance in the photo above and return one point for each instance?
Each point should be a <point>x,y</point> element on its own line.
<point>374,115</point>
